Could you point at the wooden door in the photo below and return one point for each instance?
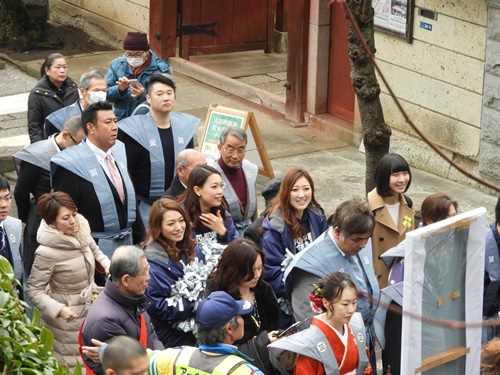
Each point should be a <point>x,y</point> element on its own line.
<point>238,25</point>
<point>340,91</point>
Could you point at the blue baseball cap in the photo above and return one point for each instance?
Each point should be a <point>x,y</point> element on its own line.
<point>218,308</point>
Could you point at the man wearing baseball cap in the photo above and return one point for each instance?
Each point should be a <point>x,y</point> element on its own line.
<point>219,324</point>
<point>128,74</point>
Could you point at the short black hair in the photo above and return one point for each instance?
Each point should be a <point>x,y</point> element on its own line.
<point>4,184</point>
<point>164,78</point>
<point>389,164</point>
<point>497,211</point>
<point>90,113</point>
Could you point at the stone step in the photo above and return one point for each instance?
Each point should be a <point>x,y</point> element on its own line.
<point>13,128</point>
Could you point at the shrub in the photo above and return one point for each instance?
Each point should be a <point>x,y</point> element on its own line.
<point>25,345</point>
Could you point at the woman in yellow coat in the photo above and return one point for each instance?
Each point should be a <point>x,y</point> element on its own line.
<point>393,211</point>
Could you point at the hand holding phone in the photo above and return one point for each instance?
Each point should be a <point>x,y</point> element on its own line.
<point>293,328</point>
<point>134,83</point>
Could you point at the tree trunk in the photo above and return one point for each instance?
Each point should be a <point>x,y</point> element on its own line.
<point>376,133</point>
<point>17,28</point>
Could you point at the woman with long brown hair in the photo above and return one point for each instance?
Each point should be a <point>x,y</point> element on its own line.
<point>204,202</point>
<point>169,244</point>
<point>239,273</point>
<point>294,220</point>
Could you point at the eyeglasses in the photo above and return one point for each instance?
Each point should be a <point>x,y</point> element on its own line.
<point>145,273</point>
<point>132,55</point>
<point>6,199</point>
<point>231,151</point>
<point>73,139</point>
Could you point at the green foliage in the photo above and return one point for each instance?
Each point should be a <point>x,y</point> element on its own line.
<point>16,26</point>
<point>25,346</point>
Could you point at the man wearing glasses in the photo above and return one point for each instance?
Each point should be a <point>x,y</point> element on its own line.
<point>10,232</point>
<point>239,175</point>
<point>92,89</point>
<point>33,168</point>
<point>128,74</point>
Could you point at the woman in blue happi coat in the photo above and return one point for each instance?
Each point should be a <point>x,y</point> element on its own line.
<point>169,247</point>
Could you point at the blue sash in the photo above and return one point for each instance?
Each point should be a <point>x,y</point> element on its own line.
<point>143,130</point>
<point>59,117</point>
<point>82,161</point>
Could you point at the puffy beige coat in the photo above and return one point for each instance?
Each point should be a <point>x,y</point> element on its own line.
<point>387,234</point>
<point>63,275</point>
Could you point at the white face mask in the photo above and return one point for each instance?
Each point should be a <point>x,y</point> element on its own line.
<point>96,96</point>
<point>135,62</point>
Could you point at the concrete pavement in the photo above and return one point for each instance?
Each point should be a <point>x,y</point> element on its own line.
<point>336,167</point>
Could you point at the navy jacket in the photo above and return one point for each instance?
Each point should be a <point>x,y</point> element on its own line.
<point>276,238</point>
<point>113,314</point>
<point>164,273</point>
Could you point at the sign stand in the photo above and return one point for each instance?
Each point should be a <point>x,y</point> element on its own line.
<point>220,118</point>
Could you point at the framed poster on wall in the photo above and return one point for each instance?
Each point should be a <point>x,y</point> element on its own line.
<point>395,17</point>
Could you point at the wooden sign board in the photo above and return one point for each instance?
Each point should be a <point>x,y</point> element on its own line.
<point>443,281</point>
<point>220,118</point>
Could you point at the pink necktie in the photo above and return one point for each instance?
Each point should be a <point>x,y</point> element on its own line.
<point>116,177</point>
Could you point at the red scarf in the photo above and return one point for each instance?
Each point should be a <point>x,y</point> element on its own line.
<point>141,68</point>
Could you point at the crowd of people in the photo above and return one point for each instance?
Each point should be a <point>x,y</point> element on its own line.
<point>123,217</point>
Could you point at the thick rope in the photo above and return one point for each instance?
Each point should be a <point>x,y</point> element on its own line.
<point>400,107</point>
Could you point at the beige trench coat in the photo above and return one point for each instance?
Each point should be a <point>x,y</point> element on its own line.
<point>387,234</point>
<point>63,275</point>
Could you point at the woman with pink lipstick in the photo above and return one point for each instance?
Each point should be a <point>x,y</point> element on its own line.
<point>168,243</point>
<point>294,220</point>
<point>61,284</point>
<point>335,343</point>
<point>394,216</point>
<point>206,207</point>
<point>239,273</point>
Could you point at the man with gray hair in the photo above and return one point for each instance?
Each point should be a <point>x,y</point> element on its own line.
<point>92,89</point>
<point>239,175</point>
<point>346,247</point>
<point>219,323</point>
<point>33,168</point>
<point>120,309</point>
<point>186,161</point>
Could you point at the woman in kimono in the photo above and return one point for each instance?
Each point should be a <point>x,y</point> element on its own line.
<point>335,343</point>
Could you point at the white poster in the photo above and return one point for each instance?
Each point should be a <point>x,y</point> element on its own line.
<point>391,15</point>
<point>444,267</point>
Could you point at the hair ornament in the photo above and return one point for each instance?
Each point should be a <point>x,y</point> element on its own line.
<point>316,298</point>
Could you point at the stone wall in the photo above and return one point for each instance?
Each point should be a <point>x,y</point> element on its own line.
<point>489,155</point>
<point>108,20</point>
<point>439,80</point>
